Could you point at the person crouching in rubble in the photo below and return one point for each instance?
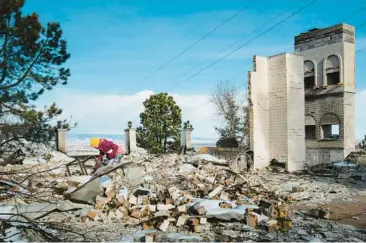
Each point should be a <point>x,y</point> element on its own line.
<point>107,148</point>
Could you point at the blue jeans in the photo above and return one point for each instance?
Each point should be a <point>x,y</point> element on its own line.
<point>115,160</point>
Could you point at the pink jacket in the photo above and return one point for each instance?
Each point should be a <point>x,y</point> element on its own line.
<point>105,146</point>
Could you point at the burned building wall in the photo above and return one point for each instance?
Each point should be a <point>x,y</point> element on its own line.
<point>276,111</point>
<point>329,100</point>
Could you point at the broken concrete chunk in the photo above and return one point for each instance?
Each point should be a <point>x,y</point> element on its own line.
<point>224,196</point>
<point>140,199</point>
<point>178,202</point>
<point>134,174</point>
<point>197,228</point>
<point>111,215</point>
<point>165,207</point>
<point>133,200</point>
<point>216,191</point>
<point>85,193</point>
<point>119,214</point>
<point>162,213</point>
<point>152,208</point>
<point>61,187</point>
<point>237,166</point>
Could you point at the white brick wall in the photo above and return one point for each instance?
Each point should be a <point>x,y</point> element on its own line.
<point>295,113</point>
<point>278,107</point>
<point>277,94</point>
<point>260,125</point>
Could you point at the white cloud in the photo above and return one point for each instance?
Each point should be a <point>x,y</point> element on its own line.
<point>109,113</point>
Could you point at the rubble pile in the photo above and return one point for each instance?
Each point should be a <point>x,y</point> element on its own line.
<point>175,198</point>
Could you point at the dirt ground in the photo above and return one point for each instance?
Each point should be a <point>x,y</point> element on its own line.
<point>351,213</point>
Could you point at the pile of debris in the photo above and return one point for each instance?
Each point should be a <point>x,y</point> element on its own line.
<point>169,198</point>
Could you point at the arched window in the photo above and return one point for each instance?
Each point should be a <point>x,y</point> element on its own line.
<point>309,74</point>
<point>332,70</point>
<point>330,126</point>
<point>310,127</point>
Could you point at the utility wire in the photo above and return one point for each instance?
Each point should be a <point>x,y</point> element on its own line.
<point>354,13</point>
<point>237,41</point>
<point>360,25</point>
<point>196,42</point>
<point>359,50</point>
<point>246,43</point>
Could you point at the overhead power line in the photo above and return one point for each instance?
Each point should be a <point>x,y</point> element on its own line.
<point>236,42</point>
<point>360,25</point>
<point>359,50</point>
<point>246,43</point>
<point>357,27</point>
<point>354,13</point>
<point>198,41</point>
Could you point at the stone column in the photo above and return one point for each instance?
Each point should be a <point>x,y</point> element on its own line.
<point>130,139</point>
<point>186,136</point>
<point>61,140</point>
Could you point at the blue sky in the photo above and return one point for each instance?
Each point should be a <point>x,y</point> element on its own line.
<point>115,44</point>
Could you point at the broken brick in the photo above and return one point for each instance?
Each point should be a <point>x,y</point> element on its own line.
<point>203,220</point>
<point>164,226</point>
<point>147,226</point>
<point>133,200</point>
<point>182,220</point>
<point>93,214</point>
<point>137,214</point>
<point>271,225</point>
<point>182,209</point>
<point>123,210</point>
<point>164,207</point>
<point>252,220</point>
